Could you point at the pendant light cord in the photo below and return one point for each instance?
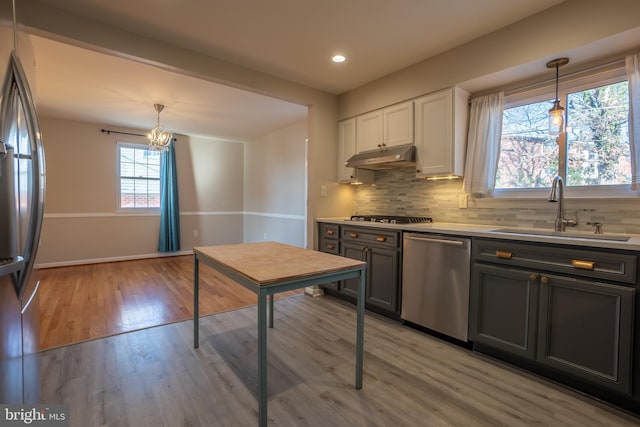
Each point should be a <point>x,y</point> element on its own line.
<point>15,28</point>
<point>557,76</point>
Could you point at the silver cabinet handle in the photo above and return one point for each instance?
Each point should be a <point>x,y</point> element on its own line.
<point>446,242</point>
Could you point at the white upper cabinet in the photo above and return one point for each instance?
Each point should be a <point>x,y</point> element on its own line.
<point>388,127</point>
<point>441,133</point>
<point>398,124</point>
<point>346,149</point>
<point>369,131</point>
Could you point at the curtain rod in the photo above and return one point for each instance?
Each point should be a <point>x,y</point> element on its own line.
<point>109,132</point>
<point>524,86</point>
<point>576,73</point>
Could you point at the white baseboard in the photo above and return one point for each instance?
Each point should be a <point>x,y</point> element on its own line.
<point>111,259</point>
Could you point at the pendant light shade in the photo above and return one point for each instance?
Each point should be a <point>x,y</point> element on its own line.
<point>557,111</point>
<point>159,140</point>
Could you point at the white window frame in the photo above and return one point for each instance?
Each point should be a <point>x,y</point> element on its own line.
<point>543,92</point>
<point>119,208</point>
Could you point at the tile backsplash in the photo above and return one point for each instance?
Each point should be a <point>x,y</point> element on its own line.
<point>399,192</point>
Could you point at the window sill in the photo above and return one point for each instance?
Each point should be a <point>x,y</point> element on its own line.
<point>530,199</point>
<point>137,211</point>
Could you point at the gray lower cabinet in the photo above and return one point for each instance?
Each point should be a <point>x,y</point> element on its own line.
<point>586,330</point>
<point>350,286</point>
<point>580,328</point>
<point>329,242</point>
<point>381,250</point>
<point>382,275</point>
<point>504,309</point>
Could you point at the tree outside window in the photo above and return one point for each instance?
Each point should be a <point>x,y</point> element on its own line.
<point>595,148</point>
<point>598,151</point>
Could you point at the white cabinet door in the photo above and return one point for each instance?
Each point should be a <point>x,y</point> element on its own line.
<point>346,149</point>
<point>388,127</point>
<point>441,127</point>
<point>397,124</point>
<point>369,131</point>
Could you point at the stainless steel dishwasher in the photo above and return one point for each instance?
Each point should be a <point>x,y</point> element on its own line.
<point>435,283</point>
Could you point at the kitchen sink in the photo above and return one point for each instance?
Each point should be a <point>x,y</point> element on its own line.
<point>566,234</point>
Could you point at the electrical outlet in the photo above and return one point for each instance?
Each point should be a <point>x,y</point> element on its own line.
<point>323,191</point>
<point>195,233</point>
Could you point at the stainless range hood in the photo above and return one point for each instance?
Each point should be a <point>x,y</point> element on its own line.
<point>389,158</point>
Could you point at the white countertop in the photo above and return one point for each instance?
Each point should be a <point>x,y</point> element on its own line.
<point>472,230</point>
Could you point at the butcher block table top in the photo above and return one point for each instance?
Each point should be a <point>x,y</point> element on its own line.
<point>269,262</point>
<point>267,268</point>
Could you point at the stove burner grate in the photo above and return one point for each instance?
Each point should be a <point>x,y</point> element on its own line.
<point>392,219</point>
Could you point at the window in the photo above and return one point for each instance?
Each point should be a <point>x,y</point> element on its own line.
<point>594,151</point>
<point>138,176</point>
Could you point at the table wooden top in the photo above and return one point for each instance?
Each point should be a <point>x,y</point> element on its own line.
<point>270,262</point>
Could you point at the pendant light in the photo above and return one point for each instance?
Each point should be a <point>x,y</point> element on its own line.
<point>159,140</point>
<point>556,113</point>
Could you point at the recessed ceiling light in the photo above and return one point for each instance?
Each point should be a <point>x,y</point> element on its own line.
<point>338,58</point>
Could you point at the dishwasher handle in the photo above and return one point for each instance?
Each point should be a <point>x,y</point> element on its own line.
<point>432,240</point>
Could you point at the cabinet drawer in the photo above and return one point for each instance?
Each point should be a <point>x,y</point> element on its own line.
<point>619,267</point>
<point>371,236</point>
<point>329,230</point>
<point>331,246</point>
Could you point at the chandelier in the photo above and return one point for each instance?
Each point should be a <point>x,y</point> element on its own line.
<point>159,139</point>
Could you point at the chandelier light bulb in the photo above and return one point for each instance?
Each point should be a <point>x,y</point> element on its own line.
<point>159,139</point>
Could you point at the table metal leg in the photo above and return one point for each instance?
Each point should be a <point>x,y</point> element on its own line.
<point>196,315</point>
<point>271,298</point>
<point>360,330</point>
<point>262,358</point>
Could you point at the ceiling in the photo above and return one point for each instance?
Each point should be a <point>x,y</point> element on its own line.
<point>85,85</point>
<point>290,39</point>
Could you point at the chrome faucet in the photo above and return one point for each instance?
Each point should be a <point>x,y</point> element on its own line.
<point>557,195</point>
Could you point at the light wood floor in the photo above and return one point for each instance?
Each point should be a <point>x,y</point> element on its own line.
<point>85,302</point>
<point>154,377</point>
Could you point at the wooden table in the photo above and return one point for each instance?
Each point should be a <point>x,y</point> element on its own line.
<point>267,268</point>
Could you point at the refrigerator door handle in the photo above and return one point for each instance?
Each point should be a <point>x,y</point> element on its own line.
<point>34,222</point>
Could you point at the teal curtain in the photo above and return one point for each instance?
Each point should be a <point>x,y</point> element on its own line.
<point>169,239</point>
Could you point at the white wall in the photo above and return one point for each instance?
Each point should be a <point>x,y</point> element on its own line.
<point>82,223</point>
<point>275,192</point>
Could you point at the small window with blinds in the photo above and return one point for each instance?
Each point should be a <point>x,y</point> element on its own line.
<point>138,177</point>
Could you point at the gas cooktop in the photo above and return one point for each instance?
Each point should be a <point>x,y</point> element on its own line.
<point>391,219</point>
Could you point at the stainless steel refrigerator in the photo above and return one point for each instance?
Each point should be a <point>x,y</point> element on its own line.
<point>22,186</point>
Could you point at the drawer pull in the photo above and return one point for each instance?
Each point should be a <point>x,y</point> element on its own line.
<point>584,265</point>
<point>331,232</point>
<point>544,280</point>
<point>354,235</point>
<point>504,254</point>
<point>381,239</point>
<point>533,277</point>
<point>330,247</point>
